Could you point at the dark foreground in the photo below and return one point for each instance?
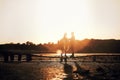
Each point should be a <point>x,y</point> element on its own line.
<point>54,70</point>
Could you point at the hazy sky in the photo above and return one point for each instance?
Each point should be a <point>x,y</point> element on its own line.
<point>43,21</point>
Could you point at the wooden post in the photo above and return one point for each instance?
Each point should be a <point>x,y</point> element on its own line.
<point>5,56</point>
<point>28,57</point>
<point>11,57</point>
<point>19,57</point>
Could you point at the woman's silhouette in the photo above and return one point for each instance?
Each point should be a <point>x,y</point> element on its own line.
<point>72,43</point>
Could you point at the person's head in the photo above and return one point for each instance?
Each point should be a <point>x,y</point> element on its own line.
<point>72,33</point>
<point>65,34</point>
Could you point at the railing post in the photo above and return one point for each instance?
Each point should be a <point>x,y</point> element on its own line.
<point>11,57</point>
<point>28,57</point>
<point>5,56</point>
<point>19,57</point>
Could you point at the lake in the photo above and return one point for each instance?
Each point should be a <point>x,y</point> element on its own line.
<point>76,54</point>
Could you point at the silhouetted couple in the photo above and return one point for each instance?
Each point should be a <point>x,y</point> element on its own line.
<point>67,45</point>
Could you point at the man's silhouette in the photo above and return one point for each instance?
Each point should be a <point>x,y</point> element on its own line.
<point>72,43</point>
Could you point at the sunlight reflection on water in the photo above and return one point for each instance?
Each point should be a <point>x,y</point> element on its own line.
<point>76,54</point>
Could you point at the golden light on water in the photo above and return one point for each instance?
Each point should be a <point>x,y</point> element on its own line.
<point>59,51</point>
<point>63,54</point>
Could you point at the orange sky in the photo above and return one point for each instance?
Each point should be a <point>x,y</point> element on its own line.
<point>43,21</point>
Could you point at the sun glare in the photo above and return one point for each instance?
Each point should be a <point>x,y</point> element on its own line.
<point>59,52</point>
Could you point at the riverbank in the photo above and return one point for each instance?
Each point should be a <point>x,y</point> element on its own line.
<point>54,70</point>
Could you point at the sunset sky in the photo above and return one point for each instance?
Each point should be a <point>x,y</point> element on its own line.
<point>42,21</point>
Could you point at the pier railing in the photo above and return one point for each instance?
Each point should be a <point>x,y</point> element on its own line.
<point>29,55</point>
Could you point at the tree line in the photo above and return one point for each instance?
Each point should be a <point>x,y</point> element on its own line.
<point>86,45</point>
